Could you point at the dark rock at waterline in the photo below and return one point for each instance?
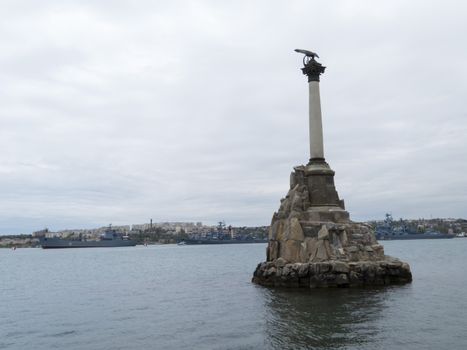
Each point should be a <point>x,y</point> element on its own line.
<point>332,273</point>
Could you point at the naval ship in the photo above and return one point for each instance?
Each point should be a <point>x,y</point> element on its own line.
<point>389,230</point>
<point>110,238</point>
<point>222,236</point>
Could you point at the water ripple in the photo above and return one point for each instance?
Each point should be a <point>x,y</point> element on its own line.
<point>201,298</point>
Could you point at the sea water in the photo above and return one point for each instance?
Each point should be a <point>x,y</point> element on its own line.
<point>201,297</point>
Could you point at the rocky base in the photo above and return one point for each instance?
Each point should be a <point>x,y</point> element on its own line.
<point>313,243</point>
<point>332,273</point>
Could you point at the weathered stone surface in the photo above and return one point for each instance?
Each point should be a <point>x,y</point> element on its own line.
<point>290,250</point>
<point>269,272</point>
<point>311,229</point>
<point>279,231</point>
<point>273,230</point>
<point>273,250</point>
<point>295,230</point>
<point>313,243</point>
<point>339,266</point>
<point>334,274</point>
<point>281,262</point>
<point>330,250</point>
<point>322,267</point>
<point>303,270</point>
<point>342,280</point>
<point>323,233</point>
<point>343,237</point>
<point>321,252</point>
<point>304,256</point>
<point>297,200</point>
<point>310,246</point>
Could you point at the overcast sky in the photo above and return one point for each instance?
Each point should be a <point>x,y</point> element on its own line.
<point>122,111</point>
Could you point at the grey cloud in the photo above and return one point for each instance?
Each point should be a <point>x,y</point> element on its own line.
<point>119,111</point>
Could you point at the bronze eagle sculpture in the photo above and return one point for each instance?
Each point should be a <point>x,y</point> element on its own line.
<point>307,53</point>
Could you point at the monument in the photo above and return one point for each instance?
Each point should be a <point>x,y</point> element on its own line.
<point>312,241</point>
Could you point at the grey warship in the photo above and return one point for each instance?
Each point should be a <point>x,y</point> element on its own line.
<point>390,230</point>
<point>110,238</point>
<point>224,235</point>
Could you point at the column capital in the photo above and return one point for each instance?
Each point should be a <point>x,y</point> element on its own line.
<point>312,68</point>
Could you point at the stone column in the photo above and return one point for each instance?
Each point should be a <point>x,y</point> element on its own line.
<point>318,176</point>
<point>316,125</point>
<point>313,70</point>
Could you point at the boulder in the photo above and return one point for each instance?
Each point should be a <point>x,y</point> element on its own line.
<point>323,233</point>
<point>295,230</point>
<point>303,270</point>
<point>304,256</point>
<point>279,230</point>
<point>297,200</point>
<point>310,246</point>
<point>340,267</point>
<point>329,249</point>
<point>342,280</point>
<point>281,262</point>
<point>273,250</point>
<point>290,250</point>
<point>343,238</point>
<point>321,252</point>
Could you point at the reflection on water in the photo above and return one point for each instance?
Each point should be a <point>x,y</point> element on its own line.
<point>323,319</point>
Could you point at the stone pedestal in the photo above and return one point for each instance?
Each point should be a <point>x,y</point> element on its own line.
<point>313,243</point>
